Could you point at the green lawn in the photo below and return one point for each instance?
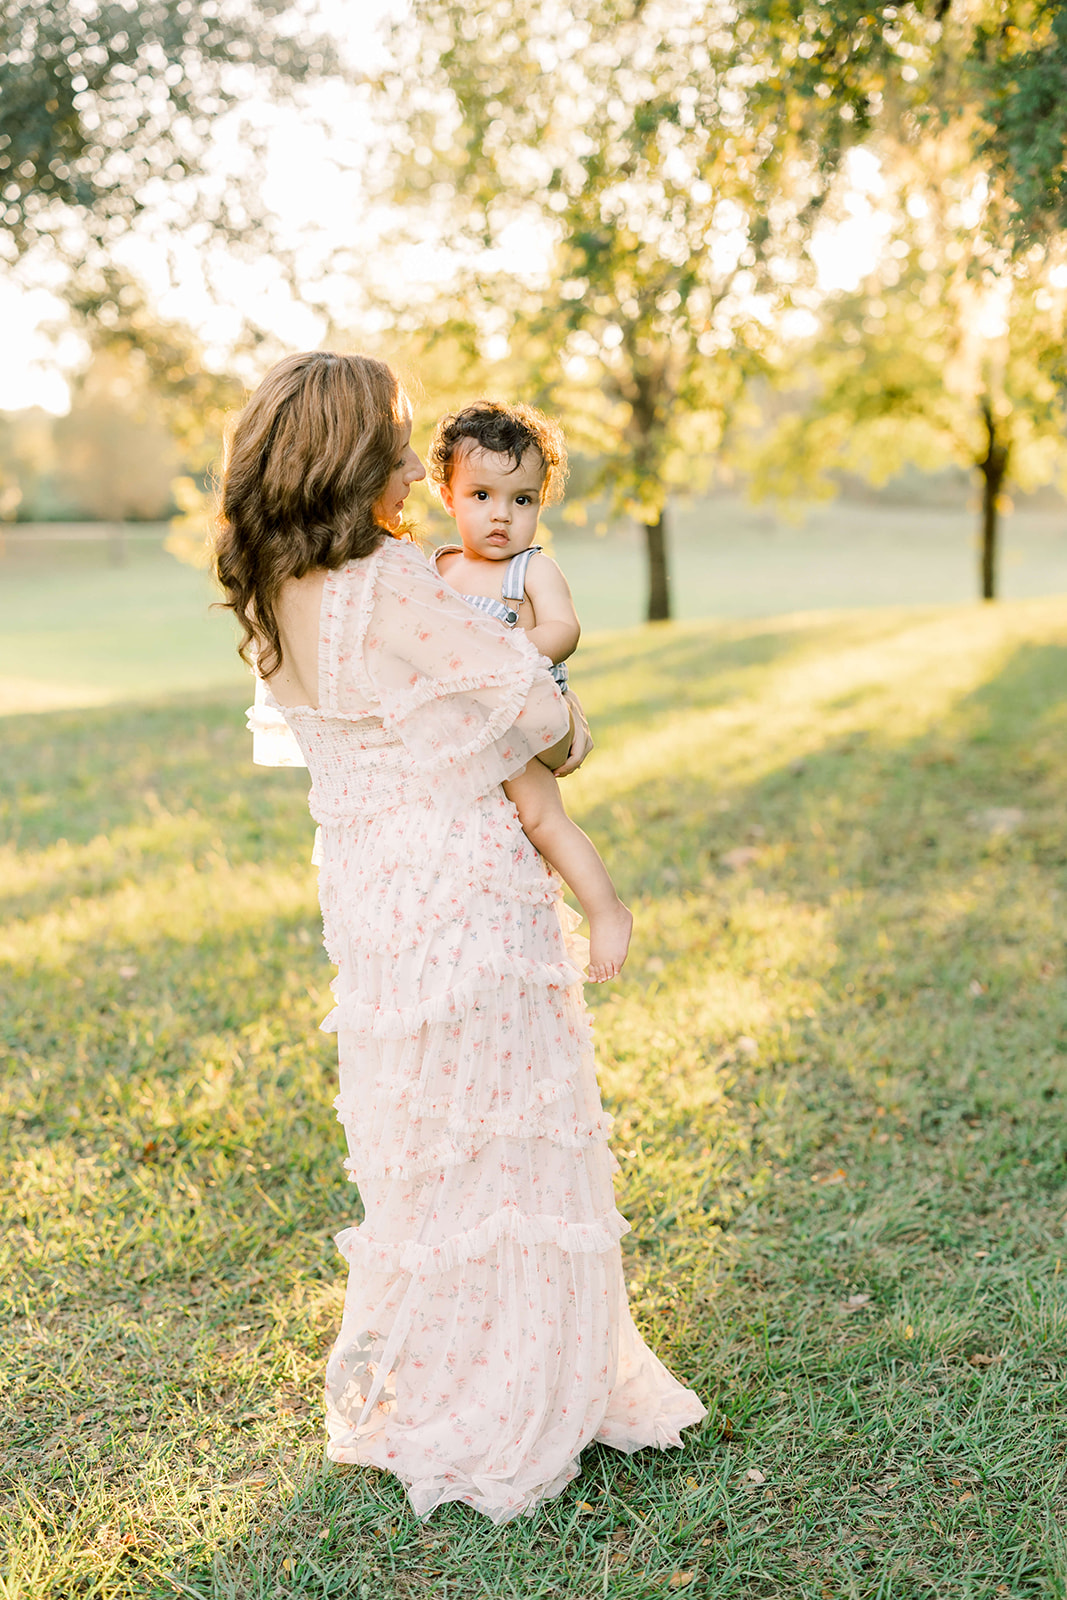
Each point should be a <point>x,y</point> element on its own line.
<point>837,1061</point>
<point>75,631</point>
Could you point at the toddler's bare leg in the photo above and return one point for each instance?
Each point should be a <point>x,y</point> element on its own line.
<point>535,795</point>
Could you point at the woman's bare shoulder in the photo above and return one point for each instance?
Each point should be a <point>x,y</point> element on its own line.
<point>298,596</point>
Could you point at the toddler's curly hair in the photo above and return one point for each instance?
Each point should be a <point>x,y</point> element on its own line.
<point>503,430</point>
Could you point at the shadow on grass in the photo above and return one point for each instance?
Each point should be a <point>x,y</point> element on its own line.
<point>848,1198</point>
<point>72,775</point>
<point>346,1531</point>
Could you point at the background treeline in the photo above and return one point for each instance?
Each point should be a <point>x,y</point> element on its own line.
<point>639,201</point>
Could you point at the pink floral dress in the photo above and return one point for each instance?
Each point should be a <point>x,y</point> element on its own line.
<point>486,1337</point>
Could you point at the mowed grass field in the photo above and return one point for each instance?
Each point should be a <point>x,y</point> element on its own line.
<point>836,1058</point>
<point>77,631</point>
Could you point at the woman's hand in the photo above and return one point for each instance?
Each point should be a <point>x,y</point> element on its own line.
<point>582,741</point>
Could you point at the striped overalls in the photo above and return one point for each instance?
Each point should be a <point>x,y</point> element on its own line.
<point>512,593</point>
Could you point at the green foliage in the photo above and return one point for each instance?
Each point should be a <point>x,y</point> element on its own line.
<point>27,465</point>
<point>146,423</point>
<point>144,409</point>
<point>116,458</point>
<point>164,361</point>
<point>846,68</point>
<point>1024,72</point>
<point>951,352</point>
<point>837,1064</point>
<point>617,134</point>
<point>102,103</point>
<point>830,70</point>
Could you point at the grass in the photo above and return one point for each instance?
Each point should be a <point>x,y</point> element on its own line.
<point>837,1061</point>
<point>75,631</point>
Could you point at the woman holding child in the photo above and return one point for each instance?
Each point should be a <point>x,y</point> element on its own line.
<point>486,1337</point>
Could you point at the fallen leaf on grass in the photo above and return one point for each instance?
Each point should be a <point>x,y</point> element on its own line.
<point>854,1302</point>
<point>966,1496</point>
<point>998,820</point>
<point>678,1580</point>
<point>977,1359</point>
<point>935,758</point>
<point>976,988</point>
<point>584,1506</point>
<point>743,855</point>
<point>754,1475</point>
<point>826,1178</point>
<point>727,1429</point>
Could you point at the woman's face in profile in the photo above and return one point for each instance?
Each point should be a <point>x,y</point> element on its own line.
<point>408,469</point>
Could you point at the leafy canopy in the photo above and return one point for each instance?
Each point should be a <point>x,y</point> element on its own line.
<point>107,108</point>
<point>632,198</point>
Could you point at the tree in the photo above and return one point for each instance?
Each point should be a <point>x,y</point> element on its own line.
<point>116,457</point>
<point>951,351</point>
<point>1023,53</point>
<point>107,109</point>
<point>845,67</point>
<point>100,101</point>
<point>168,385</point>
<point>609,137</point>
<point>164,363</point>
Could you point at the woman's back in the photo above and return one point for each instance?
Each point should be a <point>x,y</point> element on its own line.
<point>299,610</point>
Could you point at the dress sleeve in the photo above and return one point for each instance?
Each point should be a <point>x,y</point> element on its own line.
<point>273,743</point>
<point>471,701</point>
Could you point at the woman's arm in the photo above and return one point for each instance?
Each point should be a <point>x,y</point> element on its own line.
<point>450,677</point>
<point>581,740</point>
<point>554,758</point>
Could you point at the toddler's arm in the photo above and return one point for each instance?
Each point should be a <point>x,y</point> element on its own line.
<point>555,630</point>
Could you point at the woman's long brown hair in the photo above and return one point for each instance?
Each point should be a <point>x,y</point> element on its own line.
<point>308,458</point>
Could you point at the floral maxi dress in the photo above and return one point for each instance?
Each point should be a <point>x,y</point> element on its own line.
<point>486,1337</point>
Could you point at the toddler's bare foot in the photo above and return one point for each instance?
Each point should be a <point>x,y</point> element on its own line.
<point>609,940</point>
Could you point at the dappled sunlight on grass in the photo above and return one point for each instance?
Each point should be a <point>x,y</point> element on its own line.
<point>836,1063</point>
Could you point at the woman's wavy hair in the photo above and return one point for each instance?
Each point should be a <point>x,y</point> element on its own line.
<point>306,461</point>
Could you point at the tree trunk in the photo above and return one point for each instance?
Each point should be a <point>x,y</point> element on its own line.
<point>659,590</point>
<point>994,467</point>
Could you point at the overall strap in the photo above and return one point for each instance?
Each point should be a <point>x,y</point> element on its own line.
<point>443,550</point>
<point>514,585</point>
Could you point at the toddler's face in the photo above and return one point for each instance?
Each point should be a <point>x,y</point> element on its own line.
<point>496,504</point>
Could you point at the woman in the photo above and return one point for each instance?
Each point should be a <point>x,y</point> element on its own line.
<point>486,1337</point>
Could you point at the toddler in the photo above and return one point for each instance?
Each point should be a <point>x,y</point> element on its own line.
<point>495,466</point>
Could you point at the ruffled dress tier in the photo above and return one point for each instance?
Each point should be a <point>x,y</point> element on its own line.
<point>486,1337</point>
